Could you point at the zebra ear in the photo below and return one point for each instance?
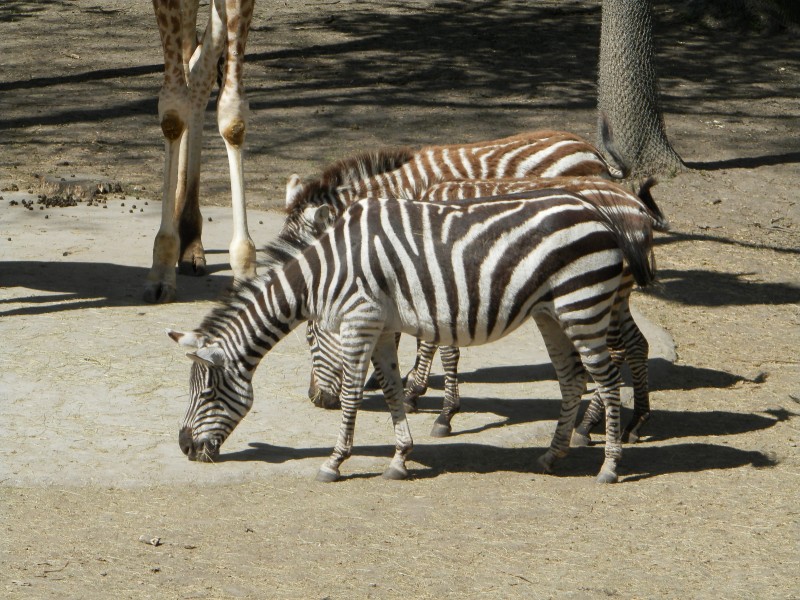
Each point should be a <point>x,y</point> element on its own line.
<point>293,190</point>
<point>208,356</point>
<point>318,215</point>
<point>191,339</point>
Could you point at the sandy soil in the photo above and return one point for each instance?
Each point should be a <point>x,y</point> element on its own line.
<point>91,391</point>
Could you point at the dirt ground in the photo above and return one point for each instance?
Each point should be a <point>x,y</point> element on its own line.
<point>91,391</point>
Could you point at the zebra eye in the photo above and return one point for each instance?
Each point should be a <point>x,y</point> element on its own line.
<point>207,394</point>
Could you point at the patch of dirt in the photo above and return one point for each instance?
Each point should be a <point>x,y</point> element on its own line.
<point>707,506</point>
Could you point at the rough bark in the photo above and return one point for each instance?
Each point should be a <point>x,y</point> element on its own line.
<point>628,88</point>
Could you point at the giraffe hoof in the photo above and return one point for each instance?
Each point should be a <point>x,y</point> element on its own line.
<point>326,475</point>
<point>395,473</point>
<point>159,293</point>
<point>195,267</point>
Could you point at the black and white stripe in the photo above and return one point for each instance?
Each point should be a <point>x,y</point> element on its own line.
<point>454,274</point>
<point>626,338</point>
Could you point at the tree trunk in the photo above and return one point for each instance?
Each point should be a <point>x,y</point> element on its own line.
<point>628,88</point>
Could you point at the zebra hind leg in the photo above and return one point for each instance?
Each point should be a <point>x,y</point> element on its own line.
<point>384,359</point>
<point>595,412</point>
<point>452,400</point>
<point>416,381</point>
<point>607,376</point>
<point>636,354</point>
<point>571,380</point>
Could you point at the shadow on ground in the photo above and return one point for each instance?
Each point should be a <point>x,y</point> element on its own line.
<point>640,461</point>
<point>79,285</point>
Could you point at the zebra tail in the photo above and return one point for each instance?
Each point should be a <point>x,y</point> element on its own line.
<point>622,169</point>
<point>660,222</point>
<point>633,231</point>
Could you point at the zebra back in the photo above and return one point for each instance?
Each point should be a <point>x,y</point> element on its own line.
<point>401,172</point>
<point>597,190</point>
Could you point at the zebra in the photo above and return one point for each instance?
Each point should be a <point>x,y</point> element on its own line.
<point>401,172</point>
<point>625,336</point>
<point>425,269</point>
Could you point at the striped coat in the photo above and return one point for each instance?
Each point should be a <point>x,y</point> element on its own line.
<point>452,274</point>
<point>625,337</point>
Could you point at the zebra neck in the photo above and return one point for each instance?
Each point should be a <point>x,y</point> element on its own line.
<point>259,315</point>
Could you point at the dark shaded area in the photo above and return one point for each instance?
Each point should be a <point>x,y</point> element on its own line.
<point>746,162</point>
<point>12,11</point>
<point>454,55</point>
<point>79,285</point>
<point>639,461</point>
<point>713,288</point>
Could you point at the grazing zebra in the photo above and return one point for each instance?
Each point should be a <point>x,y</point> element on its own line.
<point>403,172</point>
<point>625,338</point>
<point>450,273</point>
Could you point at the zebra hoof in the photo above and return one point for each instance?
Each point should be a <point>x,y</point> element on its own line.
<point>410,403</point>
<point>580,440</point>
<point>395,473</point>
<point>545,463</point>
<point>607,477</point>
<point>630,437</point>
<point>441,430</point>
<point>326,475</point>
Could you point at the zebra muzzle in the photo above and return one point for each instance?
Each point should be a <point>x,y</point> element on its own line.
<point>203,451</point>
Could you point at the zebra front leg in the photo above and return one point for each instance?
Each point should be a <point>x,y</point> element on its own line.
<point>417,379</point>
<point>384,359</point>
<point>358,339</point>
<point>452,400</point>
<point>572,382</point>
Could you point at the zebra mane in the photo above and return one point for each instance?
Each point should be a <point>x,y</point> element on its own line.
<point>272,257</point>
<point>348,170</point>
<point>282,249</point>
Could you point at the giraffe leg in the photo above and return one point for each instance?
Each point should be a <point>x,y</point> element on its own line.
<point>572,381</point>
<point>189,75</point>
<point>231,119</point>
<point>173,111</point>
<point>192,260</point>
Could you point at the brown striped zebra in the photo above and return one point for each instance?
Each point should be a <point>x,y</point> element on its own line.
<point>458,274</point>
<point>626,340</point>
<point>401,172</point>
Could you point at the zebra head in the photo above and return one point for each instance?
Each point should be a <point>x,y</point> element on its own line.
<point>219,397</point>
<point>326,367</point>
